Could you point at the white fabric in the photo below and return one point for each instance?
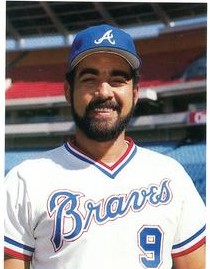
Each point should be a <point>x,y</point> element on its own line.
<point>74,213</point>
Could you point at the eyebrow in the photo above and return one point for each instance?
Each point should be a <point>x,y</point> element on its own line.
<point>94,71</point>
<point>122,73</point>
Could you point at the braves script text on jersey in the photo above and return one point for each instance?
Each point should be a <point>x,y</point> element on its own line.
<point>66,210</point>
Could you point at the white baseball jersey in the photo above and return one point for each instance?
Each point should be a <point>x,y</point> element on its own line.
<point>66,210</point>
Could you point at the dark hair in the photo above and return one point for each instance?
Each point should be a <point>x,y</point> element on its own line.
<point>70,75</point>
<point>136,76</point>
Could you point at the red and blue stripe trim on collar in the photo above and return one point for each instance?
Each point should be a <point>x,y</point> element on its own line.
<point>110,171</point>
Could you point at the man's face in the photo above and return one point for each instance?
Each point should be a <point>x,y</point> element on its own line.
<point>103,97</point>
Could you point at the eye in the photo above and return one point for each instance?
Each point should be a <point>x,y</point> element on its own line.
<point>88,79</point>
<point>118,81</point>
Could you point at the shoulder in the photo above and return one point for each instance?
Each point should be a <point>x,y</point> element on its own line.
<point>157,158</point>
<point>158,165</point>
<point>36,164</point>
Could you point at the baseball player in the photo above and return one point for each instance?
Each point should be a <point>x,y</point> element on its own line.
<point>99,200</point>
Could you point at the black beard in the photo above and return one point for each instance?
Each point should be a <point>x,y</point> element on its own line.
<point>97,129</point>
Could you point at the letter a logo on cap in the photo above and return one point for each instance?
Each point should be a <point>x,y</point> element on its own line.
<point>107,36</point>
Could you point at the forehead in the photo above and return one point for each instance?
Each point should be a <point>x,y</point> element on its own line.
<point>104,61</point>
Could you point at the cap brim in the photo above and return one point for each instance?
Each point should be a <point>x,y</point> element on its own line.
<point>132,60</point>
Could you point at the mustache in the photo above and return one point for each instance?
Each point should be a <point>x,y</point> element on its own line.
<point>103,104</point>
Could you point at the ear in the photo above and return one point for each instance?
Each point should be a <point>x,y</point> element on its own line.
<point>67,91</point>
<point>136,91</point>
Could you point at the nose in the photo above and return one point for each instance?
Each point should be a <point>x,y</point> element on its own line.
<point>104,90</point>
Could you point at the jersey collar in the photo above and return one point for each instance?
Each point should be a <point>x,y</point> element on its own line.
<point>110,171</point>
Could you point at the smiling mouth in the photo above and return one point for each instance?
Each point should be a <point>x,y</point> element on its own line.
<point>101,106</point>
<point>103,110</point>
<point>102,113</point>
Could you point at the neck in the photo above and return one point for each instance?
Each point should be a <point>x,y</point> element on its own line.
<point>107,152</point>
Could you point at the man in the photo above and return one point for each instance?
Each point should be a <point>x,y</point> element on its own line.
<point>99,200</point>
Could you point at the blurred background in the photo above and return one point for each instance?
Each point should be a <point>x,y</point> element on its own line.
<point>171,39</point>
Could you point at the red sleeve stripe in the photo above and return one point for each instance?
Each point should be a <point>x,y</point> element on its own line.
<point>17,255</point>
<point>191,249</point>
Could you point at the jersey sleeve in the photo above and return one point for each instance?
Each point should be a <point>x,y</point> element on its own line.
<point>18,239</point>
<point>190,232</point>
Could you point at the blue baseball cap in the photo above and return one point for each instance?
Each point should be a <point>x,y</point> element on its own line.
<point>103,38</point>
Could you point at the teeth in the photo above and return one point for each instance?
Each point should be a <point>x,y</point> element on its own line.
<point>103,109</point>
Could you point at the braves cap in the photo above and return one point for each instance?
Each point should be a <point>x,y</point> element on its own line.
<point>103,38</point>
